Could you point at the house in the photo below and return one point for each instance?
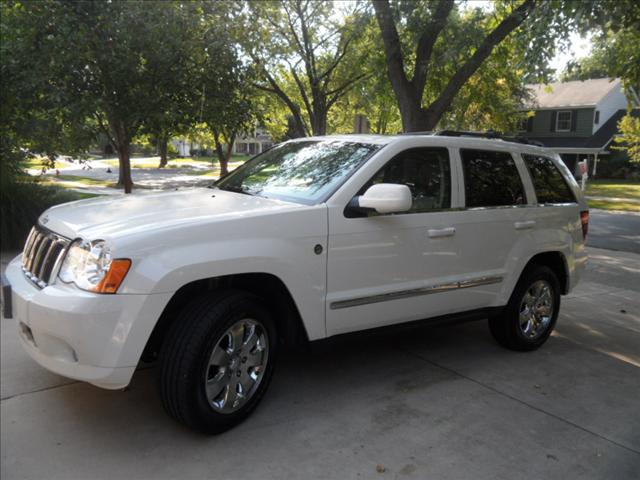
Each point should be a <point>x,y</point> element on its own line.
<point>253,142</point>
<point>250,143</point>
<point>576,119</point>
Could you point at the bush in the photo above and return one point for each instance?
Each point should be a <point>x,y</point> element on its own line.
<point>21,203</point>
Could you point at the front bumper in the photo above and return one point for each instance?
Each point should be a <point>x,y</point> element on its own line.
<point>92,337</point>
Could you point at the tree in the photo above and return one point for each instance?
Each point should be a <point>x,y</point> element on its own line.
<point>226,123</point>
<point>430,22</point>
<point>225,98</point>
<point>615,53</point>
<point>109,66</point>
<point>32,120</point>
<point>629,140</point>
<point>412,34</point>
<point>307,45</point>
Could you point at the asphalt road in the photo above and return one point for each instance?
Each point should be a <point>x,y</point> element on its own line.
<point>614,231</point>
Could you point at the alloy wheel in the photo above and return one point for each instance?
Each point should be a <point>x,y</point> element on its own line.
<point>536,309</point>
<point>236,366</point>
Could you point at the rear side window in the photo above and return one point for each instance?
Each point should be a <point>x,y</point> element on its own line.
<point>550,185</point>
<point>425,171</point>
<point>491,179</point>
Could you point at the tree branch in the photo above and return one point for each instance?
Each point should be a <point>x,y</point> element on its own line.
<point>105,130</point>
<point>427,40</point>
<point>392,47</point>
<point>303,92</point>
<point>509,24</point>
<point>344,88</point>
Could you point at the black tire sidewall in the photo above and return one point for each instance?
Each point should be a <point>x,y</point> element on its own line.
<point>505,327</point>
<point>198,413</point>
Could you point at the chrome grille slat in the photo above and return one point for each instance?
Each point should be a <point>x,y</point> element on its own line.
<point>42,256</point>
<point>34,250</point>
<point>28,244</point>
<point>47,262</point>
<point>39,257</point>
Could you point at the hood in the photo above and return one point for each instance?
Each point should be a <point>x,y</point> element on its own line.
<point>121,215</point>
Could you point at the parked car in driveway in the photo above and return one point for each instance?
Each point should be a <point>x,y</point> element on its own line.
<point>314,238</point>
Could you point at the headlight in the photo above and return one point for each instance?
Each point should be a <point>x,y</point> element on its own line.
<point>90,266</point>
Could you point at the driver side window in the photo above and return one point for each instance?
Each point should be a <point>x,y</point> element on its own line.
<point>427,173</point>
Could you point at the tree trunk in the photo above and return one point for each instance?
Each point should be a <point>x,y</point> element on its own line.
<point>222,157</point>
<point>163,148</point>
<point>409,93</point>
<point>124,160</point>
<point>224,166</point>
<point>319,120</point>
<point>122,143</point>
<point>295,127</point>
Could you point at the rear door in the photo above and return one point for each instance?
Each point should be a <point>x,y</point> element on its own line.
<point>496,215</point>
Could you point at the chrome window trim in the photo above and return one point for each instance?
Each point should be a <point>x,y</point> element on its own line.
<point>444,287</point>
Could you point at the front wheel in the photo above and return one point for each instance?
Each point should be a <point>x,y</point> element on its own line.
<point>217,361</point>
<point>530,316</point>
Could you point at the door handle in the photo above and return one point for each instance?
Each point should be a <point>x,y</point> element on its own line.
<point>525,225</point>
<point>443,232</point>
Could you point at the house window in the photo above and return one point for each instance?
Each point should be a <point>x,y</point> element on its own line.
<point>563,121</point>
<point>596,118</point>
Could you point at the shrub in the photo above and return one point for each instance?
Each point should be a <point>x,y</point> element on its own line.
<point>21,203</point>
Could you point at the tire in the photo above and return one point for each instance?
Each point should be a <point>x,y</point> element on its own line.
<point>223,341</point>
<point>539,314</point>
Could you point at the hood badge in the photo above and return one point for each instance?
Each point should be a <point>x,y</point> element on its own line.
<point>45,219</point>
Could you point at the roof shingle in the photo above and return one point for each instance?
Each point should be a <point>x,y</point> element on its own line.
<point>579,93</point>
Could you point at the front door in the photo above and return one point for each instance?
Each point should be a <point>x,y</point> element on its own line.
<point>385,269</point>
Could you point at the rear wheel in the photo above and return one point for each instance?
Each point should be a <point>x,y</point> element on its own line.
<point>532,311</point>
<point>217,361</point>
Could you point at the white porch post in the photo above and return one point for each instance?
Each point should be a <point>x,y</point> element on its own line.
<point>595,165</point>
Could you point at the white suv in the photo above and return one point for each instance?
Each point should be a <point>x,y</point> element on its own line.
<point>313,238</point>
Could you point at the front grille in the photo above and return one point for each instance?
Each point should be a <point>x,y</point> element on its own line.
<point>42,256</point>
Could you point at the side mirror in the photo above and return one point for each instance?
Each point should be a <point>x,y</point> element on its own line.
<point>386,198</point>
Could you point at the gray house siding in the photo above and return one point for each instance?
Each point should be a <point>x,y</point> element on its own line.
<point>541,126</point>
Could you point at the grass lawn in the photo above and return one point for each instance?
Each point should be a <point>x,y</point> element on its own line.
<point>610,205</point>
<point>74,181</point>
<point>614,188</point>
<point>207,162</point>
<point>36,163</point>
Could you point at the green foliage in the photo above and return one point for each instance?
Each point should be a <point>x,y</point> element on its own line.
<point>615,53</point>
<point>372,96</point>
<point>304,55</point>
<point>22,202</point>
<point>491,97</point>
<point>629,140</point>
<point>118,68</point>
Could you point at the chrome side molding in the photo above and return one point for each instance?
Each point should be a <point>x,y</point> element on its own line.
<point>444,287</point>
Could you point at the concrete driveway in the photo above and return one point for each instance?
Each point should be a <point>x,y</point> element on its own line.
<point>422,403</point>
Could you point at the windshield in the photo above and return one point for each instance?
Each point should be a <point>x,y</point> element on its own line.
<point>305,172</point>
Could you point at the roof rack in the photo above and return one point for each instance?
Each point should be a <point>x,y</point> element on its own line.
<point>488,134</point>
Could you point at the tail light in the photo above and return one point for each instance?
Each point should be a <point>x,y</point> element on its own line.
<point>584,220</point>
